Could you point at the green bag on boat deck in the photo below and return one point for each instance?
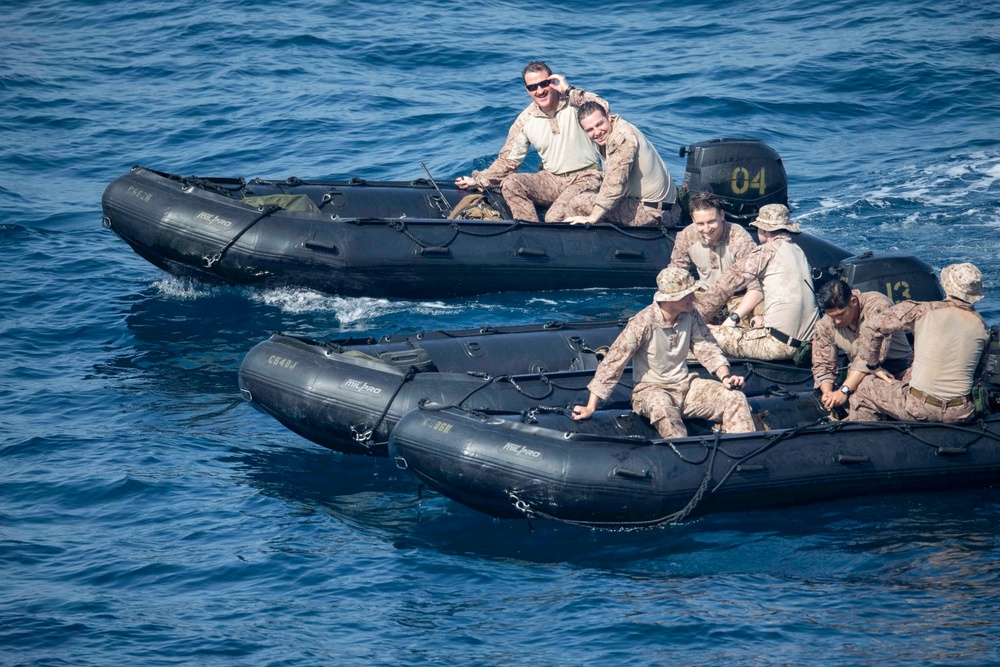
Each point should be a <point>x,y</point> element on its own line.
<point>300,203</point>
<point>803,357</point>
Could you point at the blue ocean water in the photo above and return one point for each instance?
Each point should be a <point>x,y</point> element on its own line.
<point>148,516</point>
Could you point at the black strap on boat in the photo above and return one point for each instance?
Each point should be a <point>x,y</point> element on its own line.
<point>364,437</point>
<point>208,261</point>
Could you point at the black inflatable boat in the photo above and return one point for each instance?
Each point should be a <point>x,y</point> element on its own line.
<point>614,471</point>
<point>395,239</point>
<point>348,394</point>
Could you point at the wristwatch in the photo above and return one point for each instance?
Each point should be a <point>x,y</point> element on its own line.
<point>735,317</point>
<point>845,390</point>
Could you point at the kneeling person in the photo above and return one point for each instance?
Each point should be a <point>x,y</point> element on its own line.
<point>781,269</point>
<point>658,340</point>
<point>846,311</point>
<point>948,340</point>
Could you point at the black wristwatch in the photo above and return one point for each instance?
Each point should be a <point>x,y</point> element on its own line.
<point>735,317</point>
<point>845,390</point>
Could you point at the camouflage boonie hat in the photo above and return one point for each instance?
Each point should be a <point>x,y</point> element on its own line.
<point>673,284</point>
<point>772,217</point>
<point>962,281</point>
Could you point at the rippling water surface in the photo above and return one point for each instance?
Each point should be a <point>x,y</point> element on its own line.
<point>149,516</point>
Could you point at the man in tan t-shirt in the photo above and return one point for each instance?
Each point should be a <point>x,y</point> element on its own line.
<point>948,340</point>
<point>657,341</point>
<point>569,158</point>
<point>786,284</point>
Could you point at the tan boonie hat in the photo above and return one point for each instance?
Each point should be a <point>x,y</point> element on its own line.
<point>962,281</point>
<point>772,217</point>
<point>673,284</point>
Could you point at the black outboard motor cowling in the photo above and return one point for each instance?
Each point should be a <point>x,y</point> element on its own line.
<point>745,173</point>
<point>900,276</point>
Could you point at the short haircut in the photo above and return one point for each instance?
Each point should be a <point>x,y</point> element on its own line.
<point>704,201</point>
<point>834,295</point>
<point>589,107</point>
<point>535,66</point>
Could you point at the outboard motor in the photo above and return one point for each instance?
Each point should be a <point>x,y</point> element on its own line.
<point>745,173</point>
<point>900,276</point>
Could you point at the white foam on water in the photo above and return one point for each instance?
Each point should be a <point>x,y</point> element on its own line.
<point>351,312</point>
<point>184,289</point>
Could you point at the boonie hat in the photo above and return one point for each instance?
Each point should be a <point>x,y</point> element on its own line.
<point>962,281</point>
<point>772,217</point>
<point>673,284</point>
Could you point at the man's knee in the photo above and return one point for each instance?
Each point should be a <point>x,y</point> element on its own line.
<point>513,185</point>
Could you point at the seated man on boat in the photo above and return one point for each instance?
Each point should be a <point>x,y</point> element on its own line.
<point>786,286</point>
<point>712,245</point>
<point>846,311</point>
<point>569,159</point>
<point>657,341</point>
<point>636,189</point>
<point>948,340</point>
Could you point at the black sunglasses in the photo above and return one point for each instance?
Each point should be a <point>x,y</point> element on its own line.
<point>541,84</point>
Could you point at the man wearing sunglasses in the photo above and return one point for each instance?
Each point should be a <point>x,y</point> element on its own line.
<point>636,189</point>
<point>569,158</point>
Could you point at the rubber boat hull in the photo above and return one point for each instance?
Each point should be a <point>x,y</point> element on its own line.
<point>619,475</point>
<point>348,394</point>
<point>392,238</point>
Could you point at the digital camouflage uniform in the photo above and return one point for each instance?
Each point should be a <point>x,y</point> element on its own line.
<point>949,337</point>
<point>712,260</point>
<point>569,160</point>
<point>636,189</point>
<point>658,352</point>
<point>789,303</point>
<point>828,338</point>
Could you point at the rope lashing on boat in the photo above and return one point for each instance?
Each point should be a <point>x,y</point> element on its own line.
<point>703,488</point>
<point>629,526</point>
<point>528,328</point>
<point>907,428</point>
<point>400,226</point>
<point>774,438</point>
<point>208,261</point>
<point>423,403</point>
<point>362,435</point>
<point>530,416</point>
<point>664,232</point>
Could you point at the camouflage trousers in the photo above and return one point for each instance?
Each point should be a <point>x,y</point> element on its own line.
<point>523,190</point>
<point>629,211</point>
<point>751,343</point>
<point>875,399</point>
<point>666,406</point>
<point>731,305</point>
